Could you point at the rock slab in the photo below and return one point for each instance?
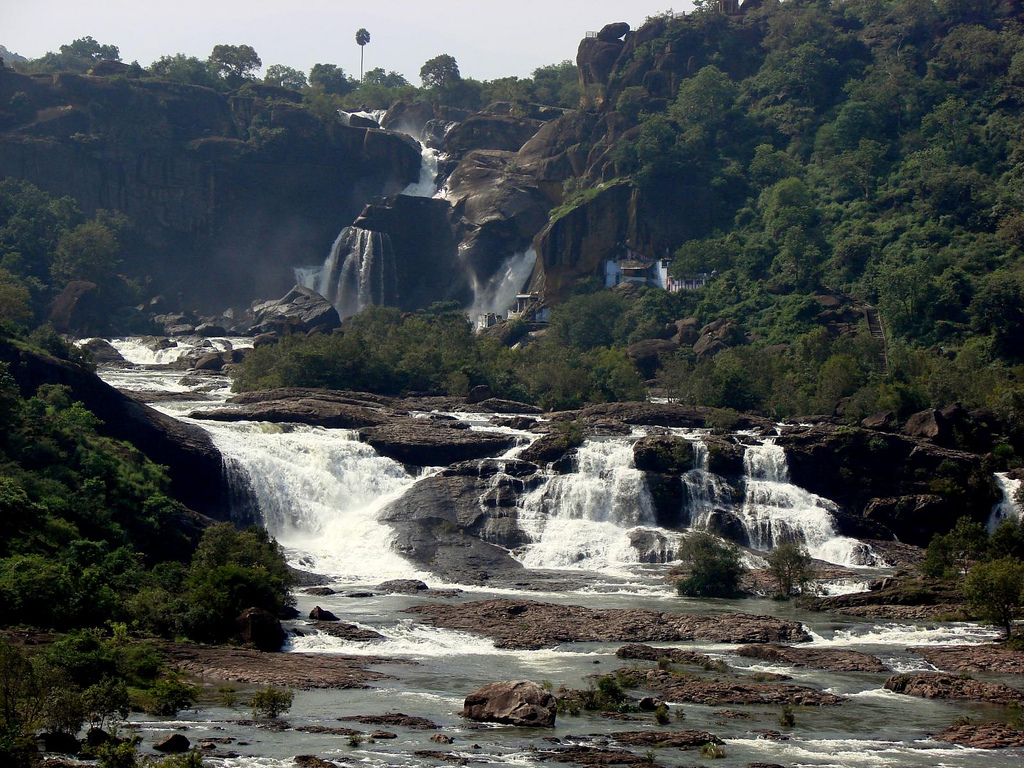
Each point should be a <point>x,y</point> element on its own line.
<point>520,703</point>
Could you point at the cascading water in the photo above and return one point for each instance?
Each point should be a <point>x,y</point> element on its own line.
<point>705,490</point>
<point>776,511</point>
<point>359,271</point>
<point>426,185</point>
<point>319,491</point>
<point>584,519</point>
<point>499,293</point>
<point>1007,508</point>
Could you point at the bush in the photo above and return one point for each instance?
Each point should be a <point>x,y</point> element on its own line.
<point>715,568</point>
<point>712,751</point>
<point>169,695</point>
<point>789,565</point>
<point>271,702</point>
<point>787,719</point>
<point>995,591</point>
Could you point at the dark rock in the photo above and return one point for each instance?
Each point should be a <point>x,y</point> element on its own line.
<point>173,744</point>
<point>210,329</point>
<point>479,393</point>
<point>930,424</point>
<point>102,351</point>
<point>426,443</point>
<point>299,311</point>
<point>684,739</point>
<point>937,685</point>
<point>313,410</point>
<point>497,405</point>
<point>612,32</point>
<point>261,629</point>
<point>319,591</point>
<point>384,735</point>
<point>64,743</point>
<point>520,703</point>
<point>883,421</point>
<point>77,309</point>
<point>719,693</point>
<point>983,736</point>
<point>832,660</point>
<point>675,655</point>
<point>505,133</point>
<point>311,761</point>
<point>440,738</point>
<point>648,354</point>
<point>650,703</point>
<point>529,624</point>
<point>265,340</point>
<point>347,631</point>
<point>522,423</point>
<point>212,361</point>
<point>320,614</point>
<point>403,586</point>
<point>997,659</point>
<point>728,525</point>
<point>550,448</point>
<point>667,454</point>
<point>592,756</point>
<point>393,719</point>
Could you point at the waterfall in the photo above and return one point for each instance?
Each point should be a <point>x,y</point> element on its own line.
<point>318,491</point>
<point>705,490</point>
<point>776,511</point>
<point>426,186</point>
<point>584,519</point>
<point>359,271</point>
<point>499,293</point>
<point>1007,507</point>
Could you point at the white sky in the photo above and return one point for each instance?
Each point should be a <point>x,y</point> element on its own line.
<point>489,39</point>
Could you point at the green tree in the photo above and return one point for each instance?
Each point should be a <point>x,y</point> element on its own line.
<point>362,38</point>
<point>715,568</point>
<point>235,64</point>
<point>440,72</point>
<point>88,49</point>
<point>271,702</point>
<point>285,77</point>
<point>330,78</point>
<point>789,565</point>
<point>995,591</point>
<point>184,69</point>
<point>90,251</point>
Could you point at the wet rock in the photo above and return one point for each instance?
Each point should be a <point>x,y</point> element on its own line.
<point>403,586</point>
<point>321,614</point>
<point>261,629</point>
<point>498,405</point>
<point>587,756</point>
<point>998,659</point>
<point>102,352</point>
<point>328,730</point>
<point>428,443</point>
<point>347,631</point>
<point>520,703</point>
<point>983,736</point>
<point>832,660</point>
<point>729,693</point>
<point>672,455</point>
<point>319,591</point>
<point>529,624</point>
<point>314,411</point>
<point>173,744</point>
<point>675,655</point>
<point>310,761</point>
<point>937,685</point>
<point>393,719</point>
<point>212,361</point>
<point>649,703</point>
<point>301,310</point>
<point>684,739</point>
<point>550,449</point>
<point>383,735</point>
<point>523,423</point>
<point>447,757</point>
<point>440,738</point>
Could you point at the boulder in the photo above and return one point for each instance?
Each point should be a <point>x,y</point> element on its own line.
<point>173,744</point>
<point>261,629</point>
<point>983,736</point>
<point>403,586</point>
<point>612,32</point>
<point>210,329</point>
<point>479,393</point>
<point>299,311</point>
<point>930,424</point>
<point>668,454</point>
<point>212,361</point>
<point>519,703</point>
<point>322,614</point>
<point>938,685</point>
<point>505,133</point>
<point>647,354</point>
<point>76,309</point>
<point>429,443</point>
<point>832,660</point>
<point>313,410</point>
<point>102,351</point>
<point>883,421</point>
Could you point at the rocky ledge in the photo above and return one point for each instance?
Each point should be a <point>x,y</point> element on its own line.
<point>434,443</point>
<point>833,661</point>
<point>685,739</point>
<point>675,655</point>
<point>1000,659</point>
<point>315,411</point>
<point>529,625</point>
<point>716,693</point>
<point>983,736</point>
<point>303,671</point>
<point>936,685</point>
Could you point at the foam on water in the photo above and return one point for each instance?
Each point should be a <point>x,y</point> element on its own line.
<point>903,635</point>
<point>1007,508</point>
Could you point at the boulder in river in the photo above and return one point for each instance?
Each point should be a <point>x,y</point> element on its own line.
<point>518,702</point>
<point>260,628</point>
<point>937,685</point>
<point>173,744</point>
<point>301,310</point>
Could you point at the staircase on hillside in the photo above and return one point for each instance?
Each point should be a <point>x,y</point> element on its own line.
<point>877,330</point>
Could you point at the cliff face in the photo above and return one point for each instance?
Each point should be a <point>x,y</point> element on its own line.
<point>226,193</point>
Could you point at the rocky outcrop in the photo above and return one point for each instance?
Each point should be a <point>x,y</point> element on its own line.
<point>519,703</point>
<point>983,736</point>
<point>997,659</point>
<point>489,131</point>
<point>193,462</point>
<point>261,629</point>
<point>303,410</point>
<point>528,624</point>
<point>392,720</point>
<point>301,310</point>
<point>431,443</point>
<point>688,738</point>
<point>173,744</point>
<point>675,655</point>
<point>717,693</point>
<point>204,193</point>
<point>834,661</point>
<point>936,685</point>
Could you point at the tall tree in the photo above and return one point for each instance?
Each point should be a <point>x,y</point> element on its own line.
<point>235,63</point>
<point>362,38</point>
<point>440,72</point>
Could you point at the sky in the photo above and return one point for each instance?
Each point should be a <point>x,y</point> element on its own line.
<point>488,39</point>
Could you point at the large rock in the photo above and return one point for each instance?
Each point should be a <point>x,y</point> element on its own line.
<point>663,454</point>
<point>983,736</point>
<point>429,443</point>
<point>937,685</point>
<point>691,690</point>
<point>173,744</point>
<point>303,410</point>
<point>519,703</point>
<point>261,629</point>
<point>486,131</point>
<point>832,660</point>
<point>298,311</point>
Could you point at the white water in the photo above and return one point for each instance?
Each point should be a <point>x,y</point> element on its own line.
<point>320,492</point>
<point>359,271</point>
<point>375,115</point>
<point>499,293</point>
<point>1007,508</point>
<point>776,511</point>
<point>142,350</point>
<point>426,185</point>
<point>706,491</point>
<point>583,520</point>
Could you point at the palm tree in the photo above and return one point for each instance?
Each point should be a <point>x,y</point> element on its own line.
<point>362,37</point>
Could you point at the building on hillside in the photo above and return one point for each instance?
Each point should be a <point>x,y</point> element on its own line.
<point>528,308</point>
<point>635,269</point>
<point>486,320</point>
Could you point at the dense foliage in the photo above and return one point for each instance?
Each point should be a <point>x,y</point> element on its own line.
<point>715,568</point>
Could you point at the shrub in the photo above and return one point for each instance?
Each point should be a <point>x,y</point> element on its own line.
<point>712,751</point>
<point>995,591</point>
<point>790,568</point>
<point>715,568</point>
<point>271,702</point>
<point>787,719</point>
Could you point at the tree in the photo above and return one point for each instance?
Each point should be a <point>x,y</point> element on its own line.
<point>362,38</point>
<point>90,251</point>
<point>715,568</point>
<point>440,72</point>
<point>330,78</point>
<point>271,702</point>
<point>285,77</point>
<point>995,591</point>
<point>88,49</point>
<point>235,63</point>
<point>184,69</point>
<point>790,567</point>
<point>378,76</point>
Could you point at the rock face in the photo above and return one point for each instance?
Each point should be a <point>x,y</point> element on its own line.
<point>983,736</point>
<point>520,703</point>
<point>936,685</point>
<point>835,661</point>
<point>429,443</point>
<point>303,410</point>
<point>720,693</point>
<point>173,744</point>
<point>193,462</point>
<point>260,629</point>
<point>529,624</point>
<point>999,659</point>
<point>178,160</point>
<point>301,310</point>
